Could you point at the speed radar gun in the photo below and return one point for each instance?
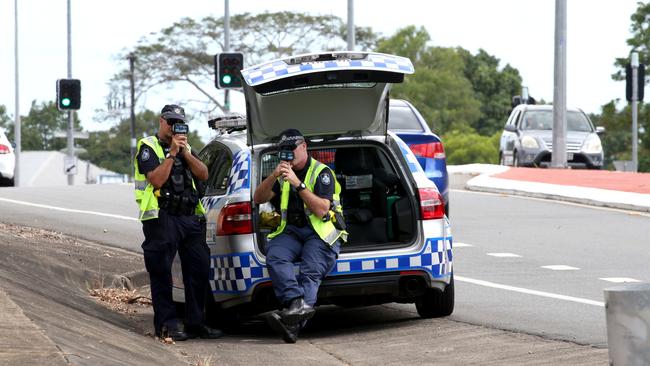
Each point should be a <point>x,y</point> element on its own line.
<point>286,153</point>
<point>180,128</point>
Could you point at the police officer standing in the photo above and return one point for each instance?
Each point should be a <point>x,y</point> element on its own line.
<point>166,174</point>
<point>307,193</point>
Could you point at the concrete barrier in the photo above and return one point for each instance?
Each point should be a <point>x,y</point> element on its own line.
<point>628,323</point>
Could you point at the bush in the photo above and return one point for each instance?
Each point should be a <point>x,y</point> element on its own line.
<point>468,147</point>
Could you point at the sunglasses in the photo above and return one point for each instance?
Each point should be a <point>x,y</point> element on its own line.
<point>172,121</point>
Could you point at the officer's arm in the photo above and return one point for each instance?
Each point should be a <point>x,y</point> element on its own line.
<point>264,192</point>
<point>199,170</point>
<point>317,205</point>
<point>159,176</point>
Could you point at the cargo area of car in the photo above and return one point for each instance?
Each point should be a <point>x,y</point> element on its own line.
<point>379,211</point>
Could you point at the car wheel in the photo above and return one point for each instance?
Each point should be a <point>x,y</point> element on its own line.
<point>434,303</point>
<point>4,182</point>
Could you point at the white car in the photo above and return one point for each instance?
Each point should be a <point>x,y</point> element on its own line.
<point>399,247</point>
<point>7,161</point>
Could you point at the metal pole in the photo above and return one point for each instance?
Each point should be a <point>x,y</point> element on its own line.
<point>635,116</point>
<point>351,25</point>
<point>558,157</point>
<point>17,110</point>
<point>70,113</point>
<point>226,46</point>
<point>132,78</point>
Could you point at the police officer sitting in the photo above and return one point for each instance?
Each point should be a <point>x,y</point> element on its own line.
<point>306,192</point>
<point>166,175</point>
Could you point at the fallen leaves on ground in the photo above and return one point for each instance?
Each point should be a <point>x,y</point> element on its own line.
<point>120,300</point>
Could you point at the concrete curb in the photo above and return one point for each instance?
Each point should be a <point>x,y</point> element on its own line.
<point>582,195</point>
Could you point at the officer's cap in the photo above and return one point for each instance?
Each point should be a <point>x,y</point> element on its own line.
<point>172,111</point>
<point>290,138</point>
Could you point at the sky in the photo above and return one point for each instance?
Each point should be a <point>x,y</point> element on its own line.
<point>519,33</point>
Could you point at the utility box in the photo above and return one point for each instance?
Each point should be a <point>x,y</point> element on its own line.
<point>624,166</point>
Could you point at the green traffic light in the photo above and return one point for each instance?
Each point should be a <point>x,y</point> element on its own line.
<point>65,102</point>
<point>226,79</point>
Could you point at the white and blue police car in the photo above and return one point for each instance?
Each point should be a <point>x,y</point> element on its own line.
<point>399,246</point>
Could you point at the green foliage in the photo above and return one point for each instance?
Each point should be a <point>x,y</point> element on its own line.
<point>466,147</point>
<point>5,120</point>
<point>38,127</point>
<point>639,42</point>
<point>493,88</point>
<point>438,89</point>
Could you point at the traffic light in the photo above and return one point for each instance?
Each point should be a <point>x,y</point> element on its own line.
<point>227,67</point>
<point>640,82</point>
<point>68,94</point>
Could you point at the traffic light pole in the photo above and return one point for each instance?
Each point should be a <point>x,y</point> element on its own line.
<point>558,156</point>
<point>132,77</point>
<point>70,113</point>
<point>17,132</point>
<point>635,98</point>
<point>226,46</point>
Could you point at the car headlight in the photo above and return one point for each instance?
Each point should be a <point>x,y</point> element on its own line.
<point>529,142</point>
<point>592,146</point>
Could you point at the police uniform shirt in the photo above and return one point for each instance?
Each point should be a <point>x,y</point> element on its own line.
<point>324,188</point>
<point>148,160</point>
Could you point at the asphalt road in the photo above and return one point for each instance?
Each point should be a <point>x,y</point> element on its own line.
<point>505,291</point>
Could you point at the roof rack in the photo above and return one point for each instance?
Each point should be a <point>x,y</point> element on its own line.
<point>228,123</point>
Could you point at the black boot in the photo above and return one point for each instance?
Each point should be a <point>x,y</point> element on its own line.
<point>297,312</point>
<point>175,334</point>
<point>289,333</point>
<point>203,331</point>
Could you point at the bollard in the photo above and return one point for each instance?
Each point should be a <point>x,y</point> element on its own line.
<point>627,308</point>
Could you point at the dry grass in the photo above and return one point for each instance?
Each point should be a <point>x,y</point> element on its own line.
<point>120,300</point>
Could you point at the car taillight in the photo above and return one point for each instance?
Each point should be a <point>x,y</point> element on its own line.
<point>4,149</point>
<point>432,206</point>
<point>433,150</point>
<point>235,219</point>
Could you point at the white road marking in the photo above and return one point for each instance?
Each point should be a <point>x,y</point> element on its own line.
<point>561,267</point>
<point>462,245</point>
<point>504,255</point>
<point>529,292</point>
<point>48,207</point>
<point>619,279</point>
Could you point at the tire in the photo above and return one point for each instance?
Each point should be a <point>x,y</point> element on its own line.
<point>435,304</point>
<point>4,182</point>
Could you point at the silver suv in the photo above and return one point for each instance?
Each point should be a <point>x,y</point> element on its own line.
<point>527,139</point>
<point>400,243</point>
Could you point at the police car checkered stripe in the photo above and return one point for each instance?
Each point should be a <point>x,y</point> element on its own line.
<point>274,70</point>
<point>240,174</point>
<point>238,272</point>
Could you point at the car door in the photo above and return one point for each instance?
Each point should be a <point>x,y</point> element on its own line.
<point>509,138</point>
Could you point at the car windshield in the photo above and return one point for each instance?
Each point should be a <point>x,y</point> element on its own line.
<point>403,119</point>
<point>543,120</point>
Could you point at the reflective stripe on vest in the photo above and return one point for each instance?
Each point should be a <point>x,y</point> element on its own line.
<point>325,229</point>
<point>144,191</point>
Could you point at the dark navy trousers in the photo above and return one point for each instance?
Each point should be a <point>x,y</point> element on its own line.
<point>164,237</point>
<point>316,260</point>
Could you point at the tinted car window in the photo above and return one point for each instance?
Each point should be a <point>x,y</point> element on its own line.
<point>543,120</point>
<point>218,159</point>
<point>403,118</point>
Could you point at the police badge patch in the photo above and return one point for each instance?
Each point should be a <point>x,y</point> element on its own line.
<point>325,179</point>
<point>145,155</point>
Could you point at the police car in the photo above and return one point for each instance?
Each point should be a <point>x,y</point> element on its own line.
<point>399,246</point>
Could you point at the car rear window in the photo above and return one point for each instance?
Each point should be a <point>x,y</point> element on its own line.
<point>403,119</point>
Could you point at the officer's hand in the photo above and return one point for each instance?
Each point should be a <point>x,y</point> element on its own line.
<point>277,173</point>
<point>178,144</point>
<point>288,174</point>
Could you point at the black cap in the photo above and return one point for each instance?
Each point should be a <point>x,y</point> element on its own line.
<point>290,137</point>
<point>172,111</point>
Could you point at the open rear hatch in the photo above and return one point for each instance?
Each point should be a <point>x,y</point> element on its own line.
<point>323,95</point>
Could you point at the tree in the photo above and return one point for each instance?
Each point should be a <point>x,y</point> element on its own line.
<point>5,120</point>
<point>112,149</point>
<point>439,88</point>
<point>183,53</point>
<point>493,88</point>
<point>640,40</point>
